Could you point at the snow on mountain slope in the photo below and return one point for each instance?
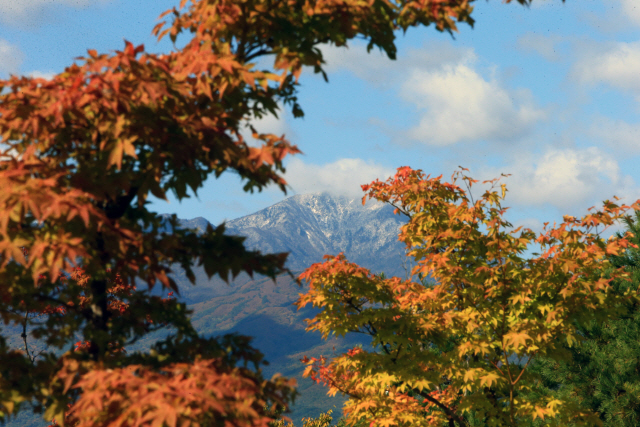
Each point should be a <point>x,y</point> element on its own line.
<point>312,225</point>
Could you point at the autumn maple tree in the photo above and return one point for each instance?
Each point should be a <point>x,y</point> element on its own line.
<point>454,341</point>
<point>117,305</point>
<point>80,155</point>
<point>601,373</point>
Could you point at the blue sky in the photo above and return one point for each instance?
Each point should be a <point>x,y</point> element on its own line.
<point>549,94</point>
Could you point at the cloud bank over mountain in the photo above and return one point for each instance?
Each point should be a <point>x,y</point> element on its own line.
<point>344,177</point>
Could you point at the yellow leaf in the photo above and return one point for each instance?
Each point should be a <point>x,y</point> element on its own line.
<point>128,147</point>
<point>517,339</point>
<point>120,121</point>
<point>539,413</point>
<point>422,384</point>
<point>115,156</point>
<point>489,379</point>
<point>470,375</point>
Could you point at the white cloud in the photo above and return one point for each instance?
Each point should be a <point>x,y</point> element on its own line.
<point>631,9</point>
<point>458,104</point>
<point>376,68</point>
<point>617,134</point>
<point>609,17</point>
<point>544,46</point>
<point>455,103</point>
<point>614,64</point>
<point>11,57</point>
<point>569,179</point>
<point>534,224</point>
<point>342,177</point>
<point>268,124</point>
<point>42,75</point>
<point>30,11</point>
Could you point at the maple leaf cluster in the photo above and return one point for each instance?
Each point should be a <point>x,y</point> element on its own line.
<point>456,337</point>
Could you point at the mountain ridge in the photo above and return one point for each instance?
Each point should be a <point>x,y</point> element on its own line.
<point>312,225</point>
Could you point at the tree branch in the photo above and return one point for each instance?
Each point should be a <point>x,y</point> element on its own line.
<point>116,209</point>
<point>24,337</point>
<point>450,414</point>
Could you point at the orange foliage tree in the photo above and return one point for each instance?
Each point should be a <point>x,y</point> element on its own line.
<point>117,294</point>
<point>453,345</point>
<point>81,152</point>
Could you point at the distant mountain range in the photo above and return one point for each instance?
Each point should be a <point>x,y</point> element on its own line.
<point>307,226</point>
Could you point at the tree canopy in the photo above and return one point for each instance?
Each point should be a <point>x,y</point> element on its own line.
<point>455,341</point>
<point>601,374</point>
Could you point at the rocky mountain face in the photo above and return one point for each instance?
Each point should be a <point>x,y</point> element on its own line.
<point>308,226</point>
